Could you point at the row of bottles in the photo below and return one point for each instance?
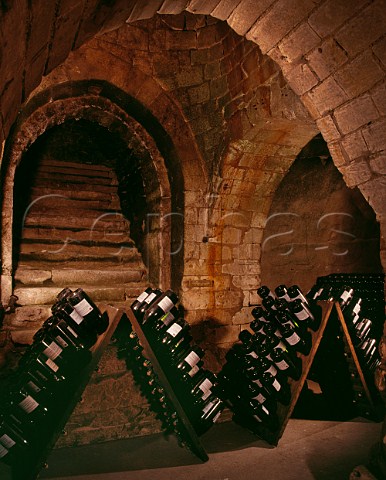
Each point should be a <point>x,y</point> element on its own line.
<point>369,287</point>
<point>359,325</point>
<point>359,297</point>
<point>260,367</point>
<point>48,372</point>
<point>161,319</point>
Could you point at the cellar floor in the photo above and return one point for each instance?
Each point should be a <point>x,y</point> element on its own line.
<point>308,449</point>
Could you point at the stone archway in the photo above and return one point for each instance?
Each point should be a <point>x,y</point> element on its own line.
<point>103,111</point>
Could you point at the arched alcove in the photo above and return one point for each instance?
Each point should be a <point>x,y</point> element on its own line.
<point>150,148</point>
<point>317,225</point>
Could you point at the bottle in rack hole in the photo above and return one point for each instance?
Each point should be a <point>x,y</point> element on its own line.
<point>281,292</point>
<point>304,315</point>
<point>160,306</point>
<point>87,309</point>
<point>265,292</point>
<point>295,293</point>
<point>75,323</point>
<point>300,343</point>
<point>136,305</point>
<point>140,312</point>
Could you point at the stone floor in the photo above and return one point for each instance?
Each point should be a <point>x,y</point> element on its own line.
<point>308,450</point>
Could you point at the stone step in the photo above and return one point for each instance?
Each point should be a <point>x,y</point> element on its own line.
<point>65,201</point>
<point>47,295</point>
<point>77,179</point>
<point>86,187</point>
<point>57,234</point>
<point>61,252</point>
<point>112,222</point>
<point>74,169</point>
<point>76,194</point>
<point>27,275</point>
<point>46,161</point>
<point>61,178</point>
<point>67,211</point>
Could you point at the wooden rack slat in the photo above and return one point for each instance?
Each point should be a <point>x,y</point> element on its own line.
<point>192,438</point>
<point>354,355</point>
<point>284,412</point>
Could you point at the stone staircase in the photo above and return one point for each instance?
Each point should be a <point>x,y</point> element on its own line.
<point>74,235</point>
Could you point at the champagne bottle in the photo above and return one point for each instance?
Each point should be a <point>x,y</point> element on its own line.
<point>209,414</point>
<point>190,359</point>
<point>135,306</point>
<point>87,309</point>
<point>259,313</point>
<point>76,323</point>
<point>269,303</point>
<point>301,344</point>
<point>160,306</point>
<point>175,332</point>
<point>265,292</point>
<point>294,293</point>
<point>281,292</point>
<point>25,410</point>
<point>304,315</point>
<point>275,387</point>
<point>140,312</point>
<point>285,364</point>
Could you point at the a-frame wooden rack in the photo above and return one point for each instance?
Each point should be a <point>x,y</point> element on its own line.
<point>34,460</point>
<point>284,413</point>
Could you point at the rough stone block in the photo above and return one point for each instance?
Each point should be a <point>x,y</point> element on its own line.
<point>22,337</point>
<point>360,74</point>
<point>246,282</point>
<point>378,165</point>
<point>141,11</point>
<point>273,26</point>
<point>327,58</point>
<point>246,13</point>
<point>298,43</point>
<point>355,114</point>
<point>32,276</point>
<point>331,14</point>
<point>375,191</point>
<point>328,128</point>
<point>379,97</point>
<point>189,76</point>
<point>184,40</point>
<point>207,38</point>
<point>380,50</point>
<point>354,145</point>
<point>197,298</point>
<point>171,7</point>
<point>327,96</point>
<point>301,79</point>
<point>200,94</point>
<point>243,317</point>
<point>224,334</point>
<point>223,9</point>
<point>66,29</point>
<point>375,136</point>
<point>356,173</point>
<point>364,28</point>
<point>204,7</point>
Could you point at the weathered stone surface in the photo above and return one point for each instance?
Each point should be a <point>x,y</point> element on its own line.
<point>356,114</point>
<point>298,42</point>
